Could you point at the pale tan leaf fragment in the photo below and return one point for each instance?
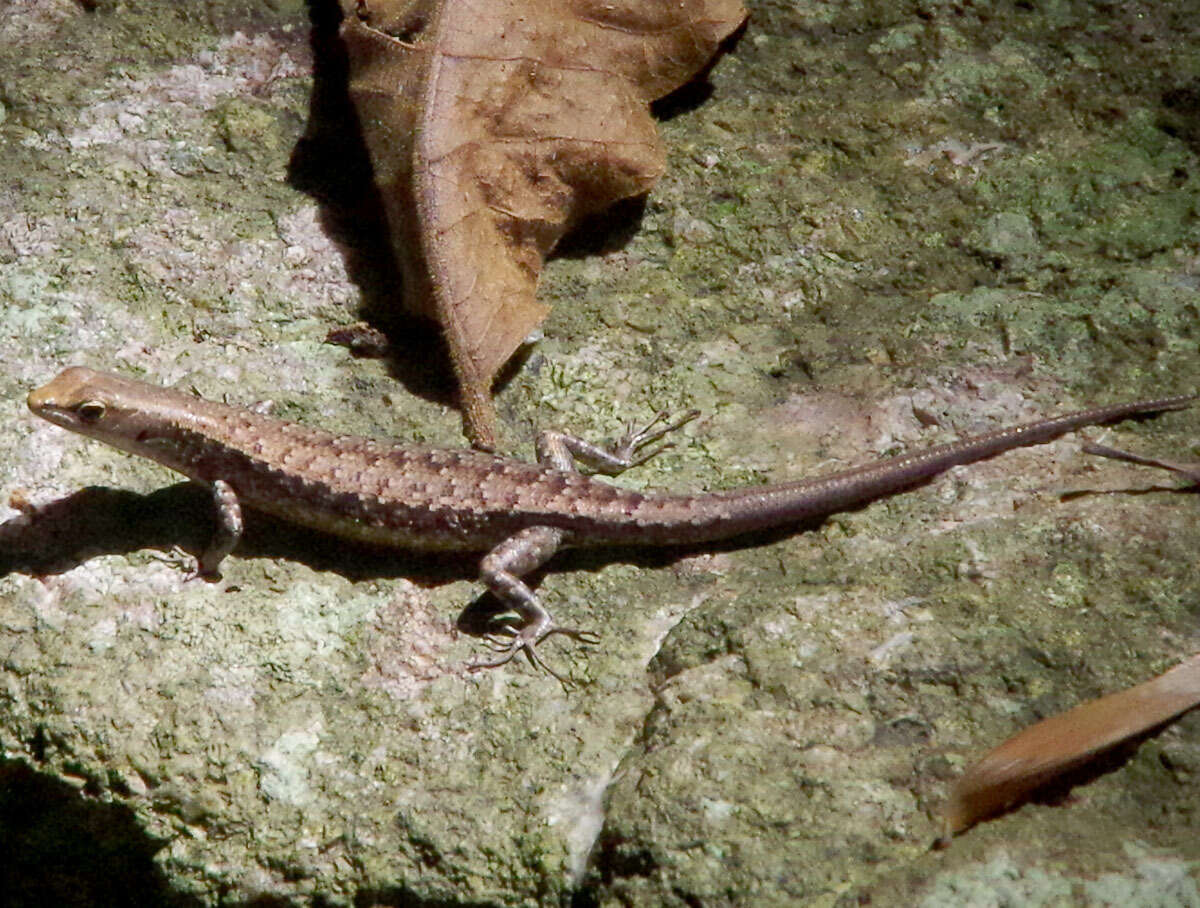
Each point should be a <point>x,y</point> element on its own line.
<point>1007,775</point>
<point>494,126</point>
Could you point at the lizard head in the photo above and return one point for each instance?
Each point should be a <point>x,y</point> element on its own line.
<point>76,399</point>
<point>115,410</point>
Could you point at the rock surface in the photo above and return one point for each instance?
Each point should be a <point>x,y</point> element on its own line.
<point>182,198</point>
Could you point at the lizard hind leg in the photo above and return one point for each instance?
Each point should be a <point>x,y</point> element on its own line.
<point>561,451</point>
<point>502,569</point>
<point>528,549</point>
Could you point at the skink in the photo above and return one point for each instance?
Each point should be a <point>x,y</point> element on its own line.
<point>519,513</point>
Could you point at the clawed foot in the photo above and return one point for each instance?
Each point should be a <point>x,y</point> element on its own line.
<point>193,568</point>
<point>629,448</point>
<point>197,574</point>
<point>513,641</point>
<point>205,572</point>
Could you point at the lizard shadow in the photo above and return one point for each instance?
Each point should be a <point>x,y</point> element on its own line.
<point>480,615</point>
<point>58,536</point>
<point>1193,489</point>
<point>55,537</point>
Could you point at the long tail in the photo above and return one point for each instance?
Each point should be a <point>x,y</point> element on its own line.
<point>746,510</point>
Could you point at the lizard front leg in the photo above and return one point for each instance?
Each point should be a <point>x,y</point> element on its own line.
<point>228,533</point>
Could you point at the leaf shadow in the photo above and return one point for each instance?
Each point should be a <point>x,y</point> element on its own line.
<point>331,165</point>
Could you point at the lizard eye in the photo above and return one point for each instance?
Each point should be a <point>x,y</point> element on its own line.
<point>90,411</point>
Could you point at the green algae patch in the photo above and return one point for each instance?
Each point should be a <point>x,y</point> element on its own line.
<point>1125,199</point>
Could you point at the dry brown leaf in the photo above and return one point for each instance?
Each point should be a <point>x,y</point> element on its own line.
<point>493,126</point>
<point>1009,774</point>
